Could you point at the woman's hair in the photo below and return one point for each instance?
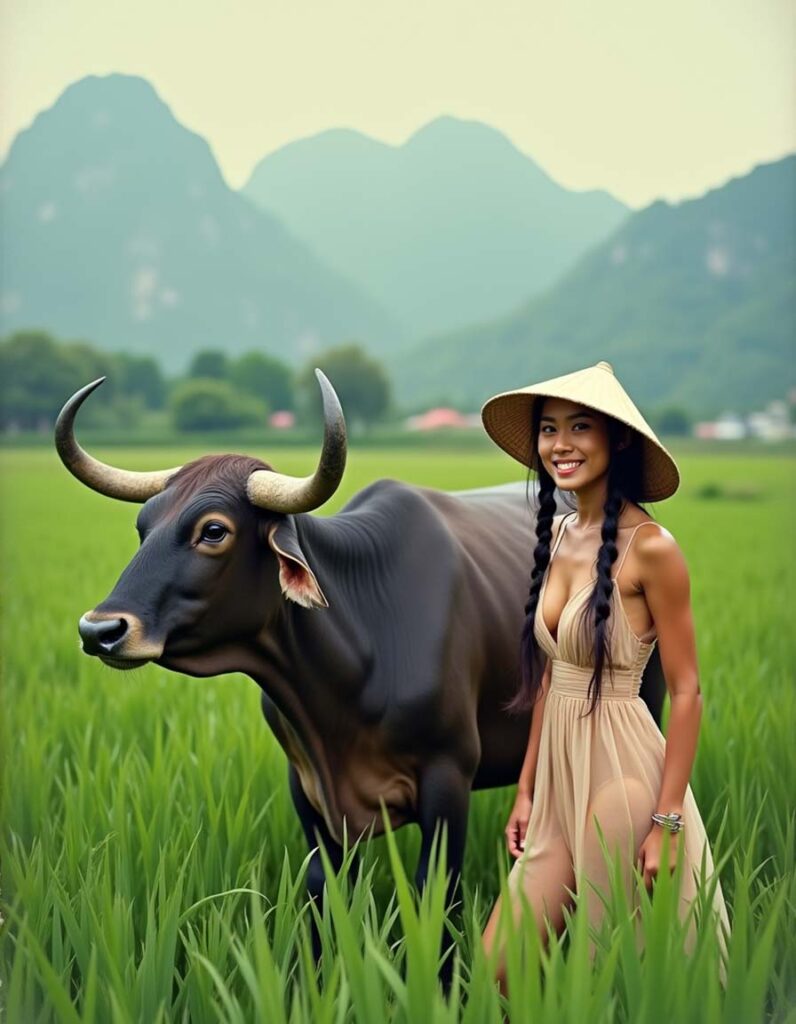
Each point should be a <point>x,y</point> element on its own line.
<point>625,483</point>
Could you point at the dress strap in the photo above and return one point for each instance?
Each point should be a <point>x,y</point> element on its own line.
<point>561,527</point>
<point>647,522</point>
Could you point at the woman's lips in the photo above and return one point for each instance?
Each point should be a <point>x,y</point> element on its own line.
<point>568,472</point>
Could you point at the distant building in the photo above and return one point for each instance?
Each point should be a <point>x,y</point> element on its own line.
<point>771,424</point>
<point>282,420</point>
<point>436,419</point>
<point>728,427</point>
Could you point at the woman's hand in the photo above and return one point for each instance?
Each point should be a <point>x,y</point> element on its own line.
<point>518,824</point>
<point>649,854</point>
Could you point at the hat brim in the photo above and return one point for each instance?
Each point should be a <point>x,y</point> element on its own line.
<point>507,419</point>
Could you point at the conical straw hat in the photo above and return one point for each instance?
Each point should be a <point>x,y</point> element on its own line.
<point>507,420</point>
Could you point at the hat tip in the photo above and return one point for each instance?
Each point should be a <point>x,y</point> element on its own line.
<point>603,365</point>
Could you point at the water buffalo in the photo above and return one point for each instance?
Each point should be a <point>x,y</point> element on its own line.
<point>385,638</point>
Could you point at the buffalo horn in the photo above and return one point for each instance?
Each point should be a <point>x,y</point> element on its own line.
<point>279,493</point>
<point>107,480</point>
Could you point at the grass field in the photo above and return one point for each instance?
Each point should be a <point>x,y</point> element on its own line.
<point>152,865</point>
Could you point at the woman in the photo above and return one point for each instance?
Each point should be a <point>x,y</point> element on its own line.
<point>595,756</point>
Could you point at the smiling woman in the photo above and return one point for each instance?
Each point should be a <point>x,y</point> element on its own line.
<point>597,769</point>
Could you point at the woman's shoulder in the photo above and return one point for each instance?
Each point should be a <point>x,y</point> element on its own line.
<point>659,535</point>
<point>656,548</point>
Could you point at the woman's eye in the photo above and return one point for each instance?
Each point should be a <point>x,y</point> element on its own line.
<point>549,428</point>
<point>212,533</point>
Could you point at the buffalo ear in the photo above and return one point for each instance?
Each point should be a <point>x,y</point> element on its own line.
<point>296,579</point>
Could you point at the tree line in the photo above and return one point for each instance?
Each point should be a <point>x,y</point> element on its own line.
<point>38,373</point>
<point>216,392</point>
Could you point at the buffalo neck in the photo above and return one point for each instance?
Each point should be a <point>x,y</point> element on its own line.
<point>321,658</point>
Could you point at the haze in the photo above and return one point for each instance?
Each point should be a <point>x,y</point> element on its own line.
<point>646,101</point>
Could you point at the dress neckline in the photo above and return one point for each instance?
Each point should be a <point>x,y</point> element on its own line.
<point>589,583</point>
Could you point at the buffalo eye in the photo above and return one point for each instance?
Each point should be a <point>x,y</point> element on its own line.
<point>213,533</point>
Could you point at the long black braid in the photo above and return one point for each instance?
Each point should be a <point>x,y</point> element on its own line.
<point>625,482</point>
<point>597,612</point>
<point>532,657</point>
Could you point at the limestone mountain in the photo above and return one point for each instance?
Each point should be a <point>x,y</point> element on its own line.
<point>453,226</point>
<point>119,228</point>
<point>693,303</point>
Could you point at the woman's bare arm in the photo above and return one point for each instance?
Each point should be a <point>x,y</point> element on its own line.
<point>667,589</point>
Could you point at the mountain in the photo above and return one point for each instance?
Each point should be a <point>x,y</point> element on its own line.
<point>119,228</point>
<point>693,304</point>
<point>455,225</point>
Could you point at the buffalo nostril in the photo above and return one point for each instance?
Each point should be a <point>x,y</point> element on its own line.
<point>102,636</point>
<point>114,634</point>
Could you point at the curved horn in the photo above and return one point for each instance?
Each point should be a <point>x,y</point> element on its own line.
<point>115,483</point>
<point>279,493</point>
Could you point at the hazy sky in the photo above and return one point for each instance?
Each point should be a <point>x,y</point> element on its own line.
<point>644,99</point>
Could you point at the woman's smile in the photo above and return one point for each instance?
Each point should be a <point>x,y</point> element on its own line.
<point>567,468</point>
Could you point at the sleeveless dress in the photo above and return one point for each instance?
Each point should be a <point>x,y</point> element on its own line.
<point>606,766</point>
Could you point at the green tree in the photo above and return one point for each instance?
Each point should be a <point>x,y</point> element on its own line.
<point>214,405</point>
<point>210,364</point>
<point>140,377</point>
<point>360,381</point>
<point>90,364</point>
<point>264,377</point>
<point>673,421</point>
<point>37,375</point>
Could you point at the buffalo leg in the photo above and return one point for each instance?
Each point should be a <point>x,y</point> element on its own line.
<point>443,797</point>
<point>315,831</point>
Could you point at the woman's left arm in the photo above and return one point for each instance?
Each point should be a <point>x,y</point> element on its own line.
<point>663,574</point>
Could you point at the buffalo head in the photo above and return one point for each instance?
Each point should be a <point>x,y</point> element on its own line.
<point>218,547</point>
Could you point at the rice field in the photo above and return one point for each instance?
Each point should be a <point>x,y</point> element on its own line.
<point>153,867</point>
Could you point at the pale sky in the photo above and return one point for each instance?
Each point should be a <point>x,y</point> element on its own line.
<point>647,100</point>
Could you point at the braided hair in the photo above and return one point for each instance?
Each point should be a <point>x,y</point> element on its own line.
<point>625,483</point>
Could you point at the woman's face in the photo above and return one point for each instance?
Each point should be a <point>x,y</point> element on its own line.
<point>573,443</point>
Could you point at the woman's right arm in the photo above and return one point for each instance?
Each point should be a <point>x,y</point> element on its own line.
<point>521,812</point>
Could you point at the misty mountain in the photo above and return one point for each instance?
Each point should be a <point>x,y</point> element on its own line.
<point>692,303</point>
<point>453,226</point>
<point>118,227</point>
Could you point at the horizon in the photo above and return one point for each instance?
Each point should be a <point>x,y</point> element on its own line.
<point>590,97</point>
<point>345,129</point>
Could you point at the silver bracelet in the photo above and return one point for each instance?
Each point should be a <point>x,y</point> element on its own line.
<point>671,822</point>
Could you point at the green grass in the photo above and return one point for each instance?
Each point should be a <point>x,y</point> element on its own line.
<point>153,867</point>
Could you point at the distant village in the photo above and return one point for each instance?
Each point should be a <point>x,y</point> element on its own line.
<point>774,423</point>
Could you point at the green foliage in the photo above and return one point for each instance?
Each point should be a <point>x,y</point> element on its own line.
<point>361,384</point>
<point>211,364</point>
<point>265,377</point>
<point>213,405</point>
<point>154,868</point>
<point>140,377</point>
<point>673,421</point>
<point>37,375</point>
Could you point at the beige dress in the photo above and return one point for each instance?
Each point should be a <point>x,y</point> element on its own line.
<point>606,766</point>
